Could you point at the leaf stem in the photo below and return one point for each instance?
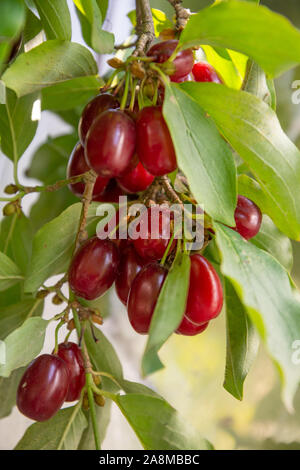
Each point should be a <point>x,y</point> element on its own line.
<point>89,384</point>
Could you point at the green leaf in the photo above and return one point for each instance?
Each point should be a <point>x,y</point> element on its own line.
<point>248,28</point>
<point>71,93</point>
<point>16,239</point>
<point>17,127</point>
<point>242,343</point>
<point>222,61</point>
<point>62,432</point>
<point>53,245</point>
<point>13,316</point>
<point>33,26</point>
<point>91,21</point>
<point>9,272</point>
<point>23,344</point>
<point>51,62</point>
<point>55,17</point>
<point>202,154</point>
<point>12,14</point>
<point>8,391</point>
<point>158,425</point>
<point>87,441</point>
<point>270,239</point>
<point>168,312</point>
<point>263,286</point>
<point>253,130</point>
<point>256,83</point>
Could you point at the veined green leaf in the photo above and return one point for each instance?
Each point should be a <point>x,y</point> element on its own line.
<point>8,391</point>
<point>9,272</point>
<point>55,17</point>
<point>13,316</point>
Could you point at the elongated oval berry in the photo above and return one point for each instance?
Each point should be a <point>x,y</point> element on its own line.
<point>187,328</point>
<point>93,109</point>
<point>43,387</point>
<point>110,143</point>
<point>248,218</point>
<point>130,265</point>
<point>136,180</point>
<point>77,166</point>
<point>94,268</point>
<point>71,354</point>
<point>111,193</point>
<point>204,72</point>
<point>205,296</point>
<point>154,143</point>
<point>183,62</point>
<point>143,296</point>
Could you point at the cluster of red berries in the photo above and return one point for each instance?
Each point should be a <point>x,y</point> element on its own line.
<point>50,380</point>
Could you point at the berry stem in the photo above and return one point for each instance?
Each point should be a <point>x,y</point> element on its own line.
<point>144,28</point>
<point>90,383</point>
<point>182,14</point>
<point>126,90</point>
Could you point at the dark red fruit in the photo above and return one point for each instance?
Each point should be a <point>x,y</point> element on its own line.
<point>186,78</point>
<point>187,328</point>
<point>136,180</point>
<point>155,234</point>
<point>183,62</point>
<point>77,166</point>
<point>92,110</point>
<point>205,296</point>
<point>154,143</point>
<point>71,354</point>
<point>247,217</point>
<point>111,193</point>
<point>94,268</point>
<point>204,72</point>
<point>110,143</point>
<point>143,296</point>
<point>130,265</point>
<point>43,387</point>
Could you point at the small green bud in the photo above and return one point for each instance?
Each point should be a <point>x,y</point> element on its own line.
<point>9,209</point>
<point>57,300</point>
<point>42,294</point>
<point>11,189</point>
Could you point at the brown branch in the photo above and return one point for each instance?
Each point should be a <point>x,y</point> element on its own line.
<point>182,14</point>
<point>144,27</point>
<point>90,179</point>
<point>170,192</point>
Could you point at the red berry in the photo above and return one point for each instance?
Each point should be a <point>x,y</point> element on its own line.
<point>155,233</point>
<point>154,143</point>
<point>183,62</point>
<point>92,110</point>
<point>136,180</point>
<point>186,78</point>
<point>71,354</point>
<point>205,296</point>
<point>130,266</point>
<point>94,268</point>
<point>248,218</point>
<point>110,143</point>
<point>43,387</point>
<point>187,328</point>
<point>77,166</point>
<point>204,72</point>
<point>143,296</point>
<point>111,193</point>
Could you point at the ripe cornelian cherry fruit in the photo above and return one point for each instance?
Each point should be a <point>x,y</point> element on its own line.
<point>130,265</point>
<point>92,110</point>
<point>136,180</point>
<point>183,62</point>
<point>110,143</point>
<point>77,166</point>
<point>94,268</point>
<point>187,328</point>
<point>71,354</point>
<point>143,296</point>
<point>43,387</point>
<point>205,296</point>
<point>204,72</point>
<point>154,143</point>
<point>247,217</point>
<point>111,193</point>
<point>155,231</point>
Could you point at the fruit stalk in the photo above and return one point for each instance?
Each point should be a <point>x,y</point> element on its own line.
<point>182,14</point>
<point>144,28</point>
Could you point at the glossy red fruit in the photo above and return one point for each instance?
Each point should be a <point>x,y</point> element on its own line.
<point>204,72</point>
<point>71,354</point>
<point>187,328</point>
<point>110,143</point>
<point>186,78</point>
<point>111,193</point>
<point>136,180</point>
<point>43,387</point>
<point>143,296</point>
<point>154,143</point>
<point>183,62</point>
<point>248,218</point>
<point>155,233</point>
<point>77,166</point>
<point>130,265</point>
<point>94,268</point>
<point>205,296</point>
<point>92,110</point>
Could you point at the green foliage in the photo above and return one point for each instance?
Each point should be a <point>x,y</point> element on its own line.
<point>12,14</point>
<point>8,391</point>
<point>9,272</point>
<point>13,316</point>
<point>55,18</point>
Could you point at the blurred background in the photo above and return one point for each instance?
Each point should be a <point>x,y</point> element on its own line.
<point>193,377</point>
